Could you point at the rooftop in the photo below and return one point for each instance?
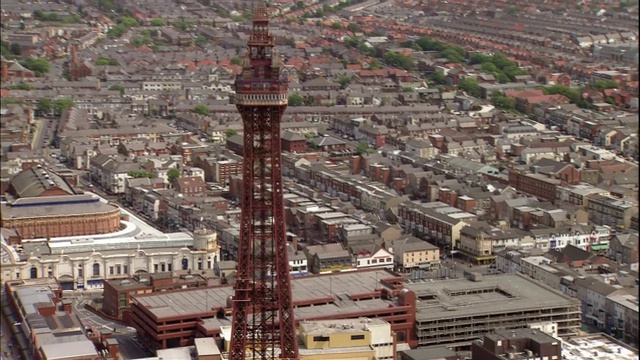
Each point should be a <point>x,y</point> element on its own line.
<point>461,297</point>
<point>339,286</point>
<point>596,346</point>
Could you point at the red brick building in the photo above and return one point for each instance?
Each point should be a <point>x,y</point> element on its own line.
<point>293,142</point>
<point>538,185</point>
<point>118,293</point>
<point>41,204</point>
<point>191,186</point>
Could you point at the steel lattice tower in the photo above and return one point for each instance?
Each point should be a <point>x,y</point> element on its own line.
<point>263,325</point>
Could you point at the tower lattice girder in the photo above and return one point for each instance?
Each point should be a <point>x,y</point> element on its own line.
<point>263,326</point>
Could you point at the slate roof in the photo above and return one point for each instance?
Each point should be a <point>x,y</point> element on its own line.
<point>291,136</point>
<point>33,182</point>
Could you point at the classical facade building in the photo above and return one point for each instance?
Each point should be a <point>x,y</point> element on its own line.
<point>85,262</point>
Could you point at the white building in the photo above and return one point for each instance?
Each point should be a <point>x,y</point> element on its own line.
<point>85,262</point>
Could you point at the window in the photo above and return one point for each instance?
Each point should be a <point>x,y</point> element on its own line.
<point>111,270</point>
<point>163,267</point>
<point>155,267</point>
<point>357,337</point>
<point>320,338</point>
<point>125,269</point>
<point>96,269</point>
<point>33,273</point>
<point>118,269</point>
<point>169,267</point>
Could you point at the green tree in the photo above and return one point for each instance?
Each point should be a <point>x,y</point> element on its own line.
<point>375,64</point>
<point>336,25</point>
<point>344,80</point>
<point>200,41</point>
<point>117,88</point>
<point>106,4</point>
<point>438,77</point>
<point>296,100</point>
<point>236,60</point>
<point>574,95</point>
<point>106,61</point>
<point>231,132</point>
<point>471,86</point>
<point>202,110</point>
<point>158,22</point>
<point>479,58</point>
<point>452,55</point>
<point>6,50</point>
<point>351,42</point>
<point>116,31</point>
<point>604,84</point>
<point>44,105</point>
<point>39,66</point>
<point>502,102</point>
<point>353,27</point>
<point>398,60</point>
<point>73,19</point>
<point>16,49</point>
<point>59,105</point>
<point>172,175</point>
<point>362,148</point>
<point>129,22</point>
<point>21,86</point>
<point>38,14</point>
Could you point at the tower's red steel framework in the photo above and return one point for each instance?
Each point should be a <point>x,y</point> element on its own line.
<point>263,325</point>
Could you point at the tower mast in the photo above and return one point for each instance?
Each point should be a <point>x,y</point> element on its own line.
<point>263,326</point>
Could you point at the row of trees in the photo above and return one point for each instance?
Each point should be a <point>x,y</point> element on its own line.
<point>106,61</point>
<point>453,53</point>
<point>503,69</point>
<point>574,95</point>
<point>71,19</point>
<point>398,60</point>
<point>57,106</point>
<point>172,174</point>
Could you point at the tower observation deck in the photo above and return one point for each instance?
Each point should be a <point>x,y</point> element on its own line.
<point>263,326</point>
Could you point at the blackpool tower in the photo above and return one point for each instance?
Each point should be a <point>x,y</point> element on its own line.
<point>263,326</point>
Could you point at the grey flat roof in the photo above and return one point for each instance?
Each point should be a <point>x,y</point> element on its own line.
<point>338,286</point>
<point>69,350</point>
<point>526,294</point>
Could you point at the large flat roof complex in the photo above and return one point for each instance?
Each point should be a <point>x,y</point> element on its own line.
<point>332,296</point>
<point>336,290</point>
<point>459,311</point>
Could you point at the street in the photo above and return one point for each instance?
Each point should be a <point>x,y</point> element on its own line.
<point>126,336</point>
<point>79,299</point>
